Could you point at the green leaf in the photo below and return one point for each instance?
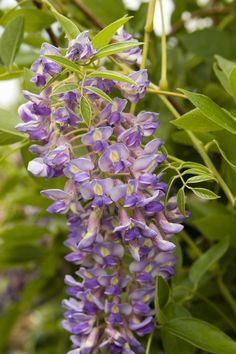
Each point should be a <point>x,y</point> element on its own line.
<point>64,62</point>
<point>201,334</point>
<point>204,193</point>
<point>212,111</point>
<point>200,178</point>
<point>171,343</point>
<point>85,110</point>
<point>112,75</point>
<point>115,48</point>
<point>69,27</point>
<point>64,88</point>
<point>104,36</point>
<point>223,68</point>
<point>7,74</point>
<point>232,79</point>
<point>196,166</point>
<point>196,122</point>
<point>223,78</point>
<point>224,156</point>
<point>204,263</point>
<point>161,297</point>
<point>35,20</point>
<point>181,200</point>
<point>99,92</point>
<point>217,224</point>
<point>224,64</point>
<point>8,133</point>
<point>11,40</point>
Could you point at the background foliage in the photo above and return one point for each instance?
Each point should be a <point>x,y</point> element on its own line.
<point>201,55</point>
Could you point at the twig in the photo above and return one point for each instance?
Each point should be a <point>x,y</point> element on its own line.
<point>163,81</point>
<point>52,36</point>
<point>88,13</point>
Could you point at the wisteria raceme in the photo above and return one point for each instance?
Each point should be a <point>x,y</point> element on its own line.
<point>119,230</point>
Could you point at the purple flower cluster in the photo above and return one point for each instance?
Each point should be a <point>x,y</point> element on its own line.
<point>119,230</point>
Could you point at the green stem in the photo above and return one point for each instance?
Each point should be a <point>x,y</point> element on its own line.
<point>225,292</point>
<point>190,242</point>
<point>148,30</point>
<point>166,93</point>
<point>149,343</point>
<point>163,80</point>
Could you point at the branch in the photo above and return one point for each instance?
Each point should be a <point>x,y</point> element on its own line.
<point>87,13</point>
<point>52,36</point>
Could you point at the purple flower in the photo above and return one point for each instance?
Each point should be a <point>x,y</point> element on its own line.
<point>80,48</point>
<point>129,56</point>
<point>128,192</point>
<point>63,200</point>
<point>144,327</point>
<point>136,91</point>
<point>38,168</point>
<point>90,277</point>
<point>113,283</point>
<point>149,160</point>
<point>78,169</point>
<point>103,84</point>
<point>107,254</point>
<point>65,115</point>
<point>97,137</point>
<point>116,311</point>
<point>70,99</point>
<point>98,190</point>
<point>43,66</point>
<point>114,158</point>
<point>113,111</point>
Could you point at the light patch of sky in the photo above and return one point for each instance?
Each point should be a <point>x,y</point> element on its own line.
<point>9,89</point>
<point>7,3</point>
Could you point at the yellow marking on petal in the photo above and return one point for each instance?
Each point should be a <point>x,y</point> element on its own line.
<point>74,169</point>
<point>151,165</point>
<point>105,252</point>
<point>114,281</point>
<point>97,135</point>
<point>88,275</point>
<point>146,298</point>
<point>98,189</point>
<point>52,156</point>
<point>87,234</point>
<point>148,242</point>
<point>40,69</point>
<point>129,189</point>
<point>115,309</point>
<point>114,107</point>
<point>114,156</point>
<point>148,269</point>
<point>90,297</point>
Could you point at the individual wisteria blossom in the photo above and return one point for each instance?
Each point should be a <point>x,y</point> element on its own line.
<point>119,229</point>
<point>129,56</point>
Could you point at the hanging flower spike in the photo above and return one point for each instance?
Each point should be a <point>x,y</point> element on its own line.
<point>119,232</point>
